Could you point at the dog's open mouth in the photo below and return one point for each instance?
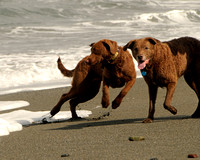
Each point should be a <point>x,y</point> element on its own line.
<point>142,64</point>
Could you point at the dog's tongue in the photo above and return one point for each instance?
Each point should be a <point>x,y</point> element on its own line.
<point>143,64</point>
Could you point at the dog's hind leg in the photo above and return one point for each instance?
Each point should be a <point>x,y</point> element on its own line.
<point>73,103</point>
<point>84,97</point>
<point>196,114</point>
<point>170,91</point>
<point>191,82</point>
<point>194,83</point>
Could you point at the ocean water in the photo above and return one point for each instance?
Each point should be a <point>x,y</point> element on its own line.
<point>34,33</point>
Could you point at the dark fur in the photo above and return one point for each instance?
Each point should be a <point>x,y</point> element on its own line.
<point>168,61</point>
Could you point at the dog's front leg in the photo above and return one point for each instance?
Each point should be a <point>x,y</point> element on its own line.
<point>167,104</point>
<point>122,94</point>
<point>153,89</point>
<point>105,97</point>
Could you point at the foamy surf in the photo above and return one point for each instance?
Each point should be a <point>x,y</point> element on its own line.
<point>170,17</point>
<point>37,71</point>
<point>14,121</point>
<point>34,34</point>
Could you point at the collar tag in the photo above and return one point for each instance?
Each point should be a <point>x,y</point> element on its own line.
<point>114,56</point>
<point>144,73</point>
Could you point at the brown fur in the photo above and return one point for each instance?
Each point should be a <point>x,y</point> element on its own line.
<point>85,85</point>
<point>119,69</point>
<point>63,70</point>
<point>164,63</point>
<point>87,76</point>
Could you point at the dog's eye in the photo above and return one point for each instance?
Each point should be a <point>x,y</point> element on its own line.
<point>146,48</point>
<point>135,49</point>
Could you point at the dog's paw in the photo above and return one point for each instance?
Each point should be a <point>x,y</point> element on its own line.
<point>172,109</point>
<point>76,118</point>
<point>147,120</point>
<point>105,104</point>
<point>115,105</point>
<point>45,120</point>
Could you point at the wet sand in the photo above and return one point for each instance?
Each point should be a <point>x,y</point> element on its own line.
<point>169,137</point>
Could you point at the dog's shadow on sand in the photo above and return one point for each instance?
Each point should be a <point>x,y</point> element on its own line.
<point>98,123</point>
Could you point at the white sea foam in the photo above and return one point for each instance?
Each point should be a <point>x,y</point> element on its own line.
<point>9,126</point>
<point>20,30</point>
<point>36,71</point>
<point>15,120</point>
<point>173,16</point>
<point>26,69</point>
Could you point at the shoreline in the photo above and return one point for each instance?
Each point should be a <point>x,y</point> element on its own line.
<point>51,84</point>
<point>168,137</point>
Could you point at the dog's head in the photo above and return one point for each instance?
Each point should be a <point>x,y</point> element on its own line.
<point>103,50</point>
<point>142,50</point>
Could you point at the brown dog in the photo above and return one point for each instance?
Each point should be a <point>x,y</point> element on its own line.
<point>85,85</point>
<point>161,65</point>
<point>87,76</point>
<point>119,69</point>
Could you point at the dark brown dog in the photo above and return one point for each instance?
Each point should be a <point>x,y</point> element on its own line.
<point>161,65</point>
<point>85,85</point>
<point>119,69</point>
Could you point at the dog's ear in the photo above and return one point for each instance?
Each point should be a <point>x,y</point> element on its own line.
<point>110,46</point>
<point>129,45</point>
<point>91,44</point>
<point>153,40</point>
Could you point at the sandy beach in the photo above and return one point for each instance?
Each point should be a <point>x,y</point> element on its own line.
<point>106,136</point>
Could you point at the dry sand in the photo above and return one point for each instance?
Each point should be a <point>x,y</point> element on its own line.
<point>168,137</point>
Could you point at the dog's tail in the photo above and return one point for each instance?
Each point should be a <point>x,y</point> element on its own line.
<point>63,70</point>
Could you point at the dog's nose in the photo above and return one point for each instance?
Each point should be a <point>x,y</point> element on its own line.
<point>140,57</point>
